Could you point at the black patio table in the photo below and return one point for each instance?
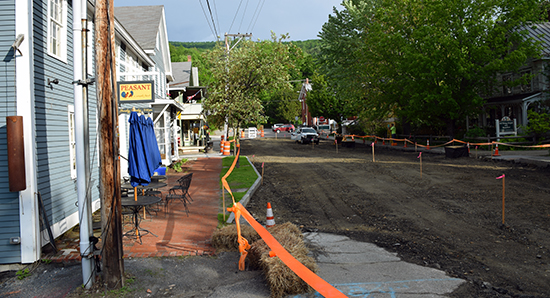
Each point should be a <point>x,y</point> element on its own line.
<point>136,206</point>
<point>152,185</point>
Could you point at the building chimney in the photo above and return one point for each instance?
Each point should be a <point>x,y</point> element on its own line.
<point>188,58</point>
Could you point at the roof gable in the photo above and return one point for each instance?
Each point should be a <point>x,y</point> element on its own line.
<point>142,22</point>
<point>541,32</point>
<point>182,74</point>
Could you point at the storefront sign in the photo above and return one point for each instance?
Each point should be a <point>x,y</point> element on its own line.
<point>136,91</point>
<point>139,110</point>
<point>506,126</point>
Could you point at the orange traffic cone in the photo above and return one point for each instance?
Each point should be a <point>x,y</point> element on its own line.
<point>496,151</point>
<point>270,221</point>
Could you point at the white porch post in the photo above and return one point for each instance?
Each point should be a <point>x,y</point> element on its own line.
<point>174,136</point>
<point>524,107</point>
<point>167,139</point>
<point>24,81</point>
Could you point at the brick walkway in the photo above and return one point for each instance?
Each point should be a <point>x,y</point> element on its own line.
<point>177,233</point>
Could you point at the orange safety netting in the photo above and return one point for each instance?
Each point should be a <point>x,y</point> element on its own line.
<point>445,144</point>
<point>317,283</point>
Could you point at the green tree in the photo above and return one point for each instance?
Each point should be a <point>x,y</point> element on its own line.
<point>426,61</point>
<point>238,79</point>
<point>322,101</point>
<point>179,53</point>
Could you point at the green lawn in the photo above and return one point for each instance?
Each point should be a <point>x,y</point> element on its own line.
<point>242,178</point>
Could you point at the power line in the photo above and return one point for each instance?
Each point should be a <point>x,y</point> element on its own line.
<point>253,16</point>
<point>212,17</point>
<point>236,13</point>
<point>206,17</point>
<point>244,13</point>
<point>257,16</point>
<point>216,12</point>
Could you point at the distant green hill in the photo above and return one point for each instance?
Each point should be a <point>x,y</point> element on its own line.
<point>309,46</point>
<point>203,45</point>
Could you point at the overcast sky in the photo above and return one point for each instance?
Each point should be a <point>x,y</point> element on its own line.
<point>187,20</point>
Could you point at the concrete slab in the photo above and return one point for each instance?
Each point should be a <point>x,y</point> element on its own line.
<point>361,269</point>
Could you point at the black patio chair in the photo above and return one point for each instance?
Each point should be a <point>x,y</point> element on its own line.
<point>184,183</point>
<point>180,192</point>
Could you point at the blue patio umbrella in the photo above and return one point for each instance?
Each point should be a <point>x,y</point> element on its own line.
<point>154,159</point>
<point>143,155</point>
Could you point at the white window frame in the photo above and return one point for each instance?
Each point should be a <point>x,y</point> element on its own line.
<point>72,140</point>
<point>57,29</point>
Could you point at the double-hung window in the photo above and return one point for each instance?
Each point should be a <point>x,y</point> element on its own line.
<point>57,29</point>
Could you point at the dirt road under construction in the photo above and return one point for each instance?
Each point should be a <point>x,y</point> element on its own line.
<point>449,217</point>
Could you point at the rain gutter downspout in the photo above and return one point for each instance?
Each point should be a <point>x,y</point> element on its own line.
<point>82,138</point>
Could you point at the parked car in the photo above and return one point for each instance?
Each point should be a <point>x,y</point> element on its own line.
<point>305,135</point>
<point>276,125</point>
<point>286,127</point>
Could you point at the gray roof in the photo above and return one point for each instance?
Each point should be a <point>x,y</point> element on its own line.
<point>181,71</point>
<point>541,32</point>
<point>142,22</point>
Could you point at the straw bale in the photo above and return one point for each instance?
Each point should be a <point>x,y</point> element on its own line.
<point>285,228</point>
<point>281,280</point>
<point>225,239</point>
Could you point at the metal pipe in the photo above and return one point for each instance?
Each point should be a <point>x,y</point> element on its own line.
<point>81,139</point>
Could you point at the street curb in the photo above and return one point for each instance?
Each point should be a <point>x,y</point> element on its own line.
<point>248,194</point>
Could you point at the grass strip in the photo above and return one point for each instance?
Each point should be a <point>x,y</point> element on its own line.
<point>242,177</point>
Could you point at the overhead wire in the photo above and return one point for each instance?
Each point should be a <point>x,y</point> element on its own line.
<point>244,13</point>
<point>207,21</point>
<point>257,16</point>
<point>216,13</point>
<point>212,17</point>
<point>236,13</point>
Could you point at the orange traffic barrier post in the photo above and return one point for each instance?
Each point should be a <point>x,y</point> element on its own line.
<point>428,146</point>
<point>496,151</point>
<point>269,219</point>
<point>227,148</point>
<point>503,200</point>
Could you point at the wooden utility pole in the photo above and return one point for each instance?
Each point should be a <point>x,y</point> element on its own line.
<point>109,190</point>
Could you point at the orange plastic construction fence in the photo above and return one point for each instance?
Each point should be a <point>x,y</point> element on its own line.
<point>428,146</point>
<point>320,285</point>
